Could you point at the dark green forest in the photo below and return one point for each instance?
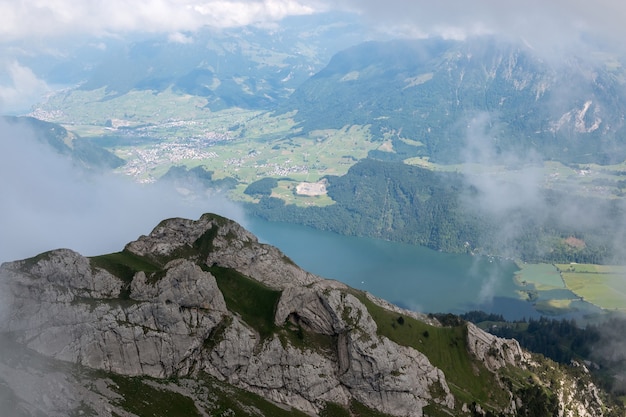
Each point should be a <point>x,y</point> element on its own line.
<point>599,346</point>
<point>394,201</point>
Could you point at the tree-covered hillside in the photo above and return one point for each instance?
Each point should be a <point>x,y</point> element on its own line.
<point>443,211</point>
<point>566,341</point>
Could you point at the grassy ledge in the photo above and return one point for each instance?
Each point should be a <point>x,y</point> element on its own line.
<point>446,348</point>
<point>253,301</point>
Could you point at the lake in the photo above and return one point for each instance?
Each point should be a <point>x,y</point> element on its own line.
<point>412,277</point>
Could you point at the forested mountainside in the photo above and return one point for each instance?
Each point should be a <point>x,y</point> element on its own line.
<point>445,211</point>
<point>566,341</point>
<point>570,109</point>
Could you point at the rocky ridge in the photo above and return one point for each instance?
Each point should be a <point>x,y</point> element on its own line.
<point>206,298</point>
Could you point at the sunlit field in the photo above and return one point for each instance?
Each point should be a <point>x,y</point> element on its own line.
<point>602,285</point>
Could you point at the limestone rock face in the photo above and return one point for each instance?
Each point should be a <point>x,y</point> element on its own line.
<point>232,352</point>
<point>65,271</point>
<point>493,351</point>
<point>236,248</point>
<point>169,236</point>
<point>302,378</point>
<point>231,246</point>
<point>156,310</point>
<point>376,371</point>
<point>184,283</point>
<point>395,379</point>
<point>65,309</point>
<point>318,307</point>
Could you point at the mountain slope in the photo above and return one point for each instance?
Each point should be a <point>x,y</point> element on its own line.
<point>197,302</point>
<point>445,211</point>
<point>430,90</point>
<point>82,152</point>
<point>251,67</point>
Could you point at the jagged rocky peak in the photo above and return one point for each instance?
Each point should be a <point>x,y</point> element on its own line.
<point>203,300</point>
<point>216,241</point>
<point>172,236</point>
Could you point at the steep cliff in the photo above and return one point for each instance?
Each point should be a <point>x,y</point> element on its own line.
<point>200,311</point>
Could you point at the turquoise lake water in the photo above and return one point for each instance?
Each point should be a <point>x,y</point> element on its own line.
<point>410,276</point>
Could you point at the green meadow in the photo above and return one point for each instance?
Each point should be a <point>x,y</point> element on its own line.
<point>546,286</point>
<point>601,285</point>
<point>154,131</point>
<point>541,276</point>
<point>168,128</point>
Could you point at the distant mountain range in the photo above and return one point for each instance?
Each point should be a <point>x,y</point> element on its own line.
<point>243,67</point>
<point>421,94</point>
<point>431,90</point>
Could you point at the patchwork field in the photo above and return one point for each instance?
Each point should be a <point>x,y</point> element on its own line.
<point>542,285</point>
<point>154,131</point>
<point>602,285</point>
<point>560,288</point>
<point>541,276</point>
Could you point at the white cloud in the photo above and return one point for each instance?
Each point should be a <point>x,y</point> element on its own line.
<point>20,89</point>
<point>240,13</point>
<point>48,203</point>
<point>178,37</point>
<point>543,24</point>
<point>550,24</point>
<point>507,186</point>
<point>35,19</point>
<point>499,193</point>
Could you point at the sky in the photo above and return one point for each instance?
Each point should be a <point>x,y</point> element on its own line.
<point>34,26</point>
<point>38,19</point>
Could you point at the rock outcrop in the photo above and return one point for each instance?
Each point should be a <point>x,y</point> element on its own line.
<point>64,308</point>
<point>226,244</point>
<point>163,308</point>
<point>493,351</point>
